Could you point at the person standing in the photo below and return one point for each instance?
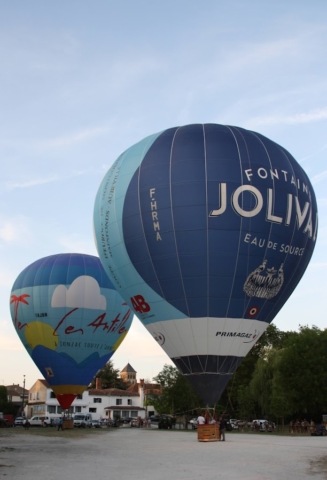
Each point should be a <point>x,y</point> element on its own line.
<point>222,429</point>
<point>60,424</point>
<point>201,420</point>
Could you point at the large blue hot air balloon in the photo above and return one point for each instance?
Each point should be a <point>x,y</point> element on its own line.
<point>70,319</point>
<point>205,230</point>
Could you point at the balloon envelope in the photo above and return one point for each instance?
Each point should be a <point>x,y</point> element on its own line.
<point>70,319</point>
<point>206,230</point>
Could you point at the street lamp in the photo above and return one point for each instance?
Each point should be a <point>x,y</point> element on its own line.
<point>23,395</point>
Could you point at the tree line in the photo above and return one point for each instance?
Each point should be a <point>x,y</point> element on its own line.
<point>283,377</point>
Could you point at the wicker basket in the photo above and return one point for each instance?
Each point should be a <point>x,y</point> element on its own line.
<point>66,424</point>
<point>208,433</point>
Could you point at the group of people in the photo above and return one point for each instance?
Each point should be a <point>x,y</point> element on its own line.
<point>222,425</point>
<point>304,426</point>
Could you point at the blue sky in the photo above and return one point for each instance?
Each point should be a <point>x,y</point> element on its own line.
<point>82,81</point>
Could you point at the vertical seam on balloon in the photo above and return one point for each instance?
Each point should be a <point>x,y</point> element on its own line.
<point>145,240</point>
<point>268,239</point>
<point>294,229</point>
<point>173,220</point>
<point>207,224</point>
<point>250,219</point>
<point>241,320</point>
<point>120,163</point>
<point>48,283</point>
<point>82,311</point>
<point>239,238</point>
<point>254,134</point>
<point>175,240</point>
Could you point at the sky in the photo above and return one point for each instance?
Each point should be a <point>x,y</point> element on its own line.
<point>82,81</point>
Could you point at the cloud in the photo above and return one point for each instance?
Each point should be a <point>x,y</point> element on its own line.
<point>9,342</point>
<point>74,243</point>
<point>319,177</point>
<point>6,279</point>
<point>15,230</point>
<point>318,265</point>
<point>31,183</point>
<point>84,292</point>
<point>35,182</point>
<point>311,116</point>
<point>78,137</point>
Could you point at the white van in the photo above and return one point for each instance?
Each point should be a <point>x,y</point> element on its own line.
<point>83,420</point>
<point>40,421</point>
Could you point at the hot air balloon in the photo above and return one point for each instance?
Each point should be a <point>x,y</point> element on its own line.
<point>70,319</point>
<point>206,230</point>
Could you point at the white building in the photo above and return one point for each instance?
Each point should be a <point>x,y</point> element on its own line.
<point>102,403</point>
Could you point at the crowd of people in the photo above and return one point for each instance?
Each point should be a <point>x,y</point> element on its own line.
<point>304,426</point>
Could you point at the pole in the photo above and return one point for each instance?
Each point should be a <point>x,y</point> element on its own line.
<point>23,395</point>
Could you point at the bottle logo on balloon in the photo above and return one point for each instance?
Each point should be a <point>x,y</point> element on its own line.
<point>264,286</point>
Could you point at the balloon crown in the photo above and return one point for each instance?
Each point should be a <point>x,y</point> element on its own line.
<point>264,286</point>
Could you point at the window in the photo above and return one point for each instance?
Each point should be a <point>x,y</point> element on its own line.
<point>78,409</point>
<point>52,409</point>
<point>59,410</point>
<point>125,414</point>
<point>79,397</point>
<point>71,410</point>
<point>92,410</point>
<point>116,414</point>
<point>97,400</point>
<point>129,401</point>
<point>37,396</point>
<point>134,413</point>
<point>119,401</point>
<point>30,396</point>
<point>52,395</point>
<point>37,409</point>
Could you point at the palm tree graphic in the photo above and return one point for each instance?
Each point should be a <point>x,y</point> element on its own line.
<point>16,300</point>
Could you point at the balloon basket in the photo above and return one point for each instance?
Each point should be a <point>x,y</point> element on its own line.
<point>208,433</point>
<point>67,424</point>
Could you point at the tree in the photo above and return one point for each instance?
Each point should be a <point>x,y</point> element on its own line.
<point>303,372</point>
<point>177,394</point>
<point>110,377</point>
<point>3,398</point>
<point>237,389</point>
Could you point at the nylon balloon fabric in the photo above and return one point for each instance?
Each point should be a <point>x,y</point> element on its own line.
<point>205,231</point>
<point>69,318</point>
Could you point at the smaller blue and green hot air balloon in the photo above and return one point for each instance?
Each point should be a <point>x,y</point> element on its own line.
<point>69,318</point>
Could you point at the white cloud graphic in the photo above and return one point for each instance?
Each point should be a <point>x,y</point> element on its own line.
<point>84,292</point>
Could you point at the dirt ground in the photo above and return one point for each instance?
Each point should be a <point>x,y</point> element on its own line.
<point>147,454</point>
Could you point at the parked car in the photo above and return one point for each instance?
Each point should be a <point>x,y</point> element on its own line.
<point>194,423</point>
<point>40,421</point>
<point>83,420</point>
<point>234,423</point>
<point>155,418</point>
<point>54,422</point>
<point>165,422</point>
<point>96,424</point>
<point>259,425</point>
<point>112,423</point>
<point>19,421</point>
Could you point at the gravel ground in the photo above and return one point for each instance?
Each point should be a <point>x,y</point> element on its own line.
<point>159,455</point>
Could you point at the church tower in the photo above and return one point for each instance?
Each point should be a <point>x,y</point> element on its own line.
<point>128,374</point>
